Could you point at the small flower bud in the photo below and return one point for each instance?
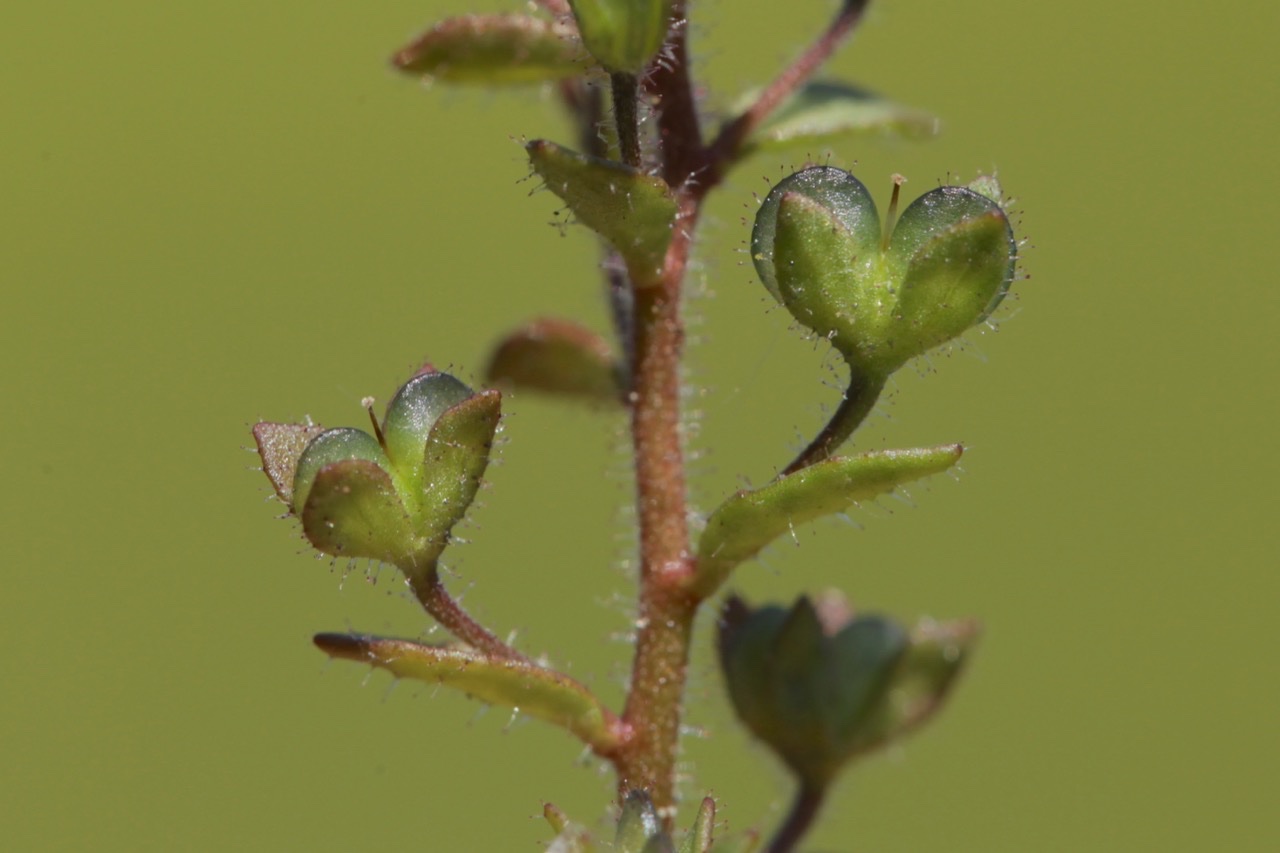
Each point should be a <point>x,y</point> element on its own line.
<point>395,495</point>
<point>821,686</point>
<point>882,294</point>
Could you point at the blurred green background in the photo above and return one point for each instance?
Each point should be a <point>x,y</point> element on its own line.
<point>215,213</point>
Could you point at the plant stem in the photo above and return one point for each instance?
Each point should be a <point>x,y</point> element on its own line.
<point>803,811</point>
<point>666,608</point>
<point>729,141</point>
<point>437,601</point>
<point>621,302</point>
<point>647,760</point>
<point>859,399</point>
<point>626,115</point>
<point>679,132</point>
<point>667,605</point>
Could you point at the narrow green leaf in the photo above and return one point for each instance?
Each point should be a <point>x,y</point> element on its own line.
<point>555,816</point>
<point>633,211</point>
<point>828,112</point>
<point>557,357</point>
<point>494,49</point>
<point>280,446</point>
<point>570,837</point>
<point>699,837</point>
<point>530,689</point>
<point>749,520</point>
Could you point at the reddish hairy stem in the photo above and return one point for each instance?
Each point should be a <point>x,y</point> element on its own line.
<point>647,759</point>
<point>729,141</point>
<point>666,609</point>
<point>679,132</point>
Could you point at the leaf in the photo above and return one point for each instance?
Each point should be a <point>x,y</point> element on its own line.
<point>699,837</point>
<point>623,34</point>
<point>280,446</point>
<point>570,837</point>
<point>921,682</point>
<point>847,202</point>
<point>821,686</point>
<point>353,510</point>
<point>633,211</point>
<point>749,520</point>
<point>555,816</point>
<point>932,214</point>
<point>330,446</point>
<point>557,357</point>
<point>826,111</point>
<point>803,685</point>
<point>961,257</point>
<point>456,456</point>
<point>637,824</point>
<point>494,49</point>
<point>816,259</point>
<point>411,415</point>
<point>806,690</point>
<point>525,687</point>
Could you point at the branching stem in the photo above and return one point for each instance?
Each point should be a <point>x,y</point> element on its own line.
<point>667,605</point>
<point>679,131</point>
<point>729,141</point>
<point>666,608</point>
